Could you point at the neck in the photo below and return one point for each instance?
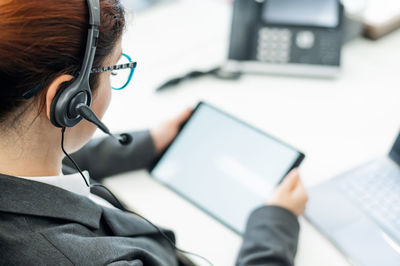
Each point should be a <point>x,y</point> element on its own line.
<point>25,152</point>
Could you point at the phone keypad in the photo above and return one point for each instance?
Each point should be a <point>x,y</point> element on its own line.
<point>299,46</point>
<point>274,45</point>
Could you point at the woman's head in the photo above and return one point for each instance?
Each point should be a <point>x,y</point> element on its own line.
<point>42,44</point>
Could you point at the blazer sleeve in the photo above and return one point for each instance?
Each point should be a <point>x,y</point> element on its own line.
<point>104,157</point>
<point>270,238</point>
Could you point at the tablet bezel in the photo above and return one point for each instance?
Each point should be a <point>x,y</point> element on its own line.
<point>296,163</point>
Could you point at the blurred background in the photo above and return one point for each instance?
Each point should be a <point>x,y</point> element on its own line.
<point>321,75</point>
<point>353,100</point>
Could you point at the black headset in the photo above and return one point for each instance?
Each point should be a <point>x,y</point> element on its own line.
<point>64,107</point>
<point>72,103</point>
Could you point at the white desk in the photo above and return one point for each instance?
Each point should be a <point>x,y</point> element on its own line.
<point>337,123</point>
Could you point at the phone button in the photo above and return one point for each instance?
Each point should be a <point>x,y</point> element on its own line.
<point>305,39</point>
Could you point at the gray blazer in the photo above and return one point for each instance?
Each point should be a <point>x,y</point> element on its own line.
<point>46,225</point>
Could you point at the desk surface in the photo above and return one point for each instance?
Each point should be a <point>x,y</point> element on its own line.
<point>338,123</point>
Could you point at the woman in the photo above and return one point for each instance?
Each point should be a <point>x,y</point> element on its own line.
<point>50,218</point>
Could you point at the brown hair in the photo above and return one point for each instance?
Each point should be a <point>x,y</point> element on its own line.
<point>40,40</point>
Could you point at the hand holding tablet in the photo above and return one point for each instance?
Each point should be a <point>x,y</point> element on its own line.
<point>290,194</point>
<point>224,166</point>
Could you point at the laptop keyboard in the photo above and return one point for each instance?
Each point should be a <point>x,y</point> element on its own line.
<point>376,188</point>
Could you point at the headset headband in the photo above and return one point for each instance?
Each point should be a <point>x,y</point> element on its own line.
<point>63,108</point>
<point>91,43</point>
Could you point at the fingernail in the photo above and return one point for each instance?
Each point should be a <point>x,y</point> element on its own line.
<point>294,172</point>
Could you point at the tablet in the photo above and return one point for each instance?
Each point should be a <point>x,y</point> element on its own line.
<point>224,166</point>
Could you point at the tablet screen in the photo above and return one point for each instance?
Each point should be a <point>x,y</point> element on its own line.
<point>224,166</point>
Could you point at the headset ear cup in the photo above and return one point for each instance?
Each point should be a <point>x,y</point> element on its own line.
<point>55,101</point>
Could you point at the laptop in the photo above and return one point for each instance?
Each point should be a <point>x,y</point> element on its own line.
<point>359,211</point>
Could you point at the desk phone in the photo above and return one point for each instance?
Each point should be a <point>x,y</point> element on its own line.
<point>287,36</point>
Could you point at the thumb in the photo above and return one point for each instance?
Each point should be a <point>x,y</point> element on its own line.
<point>290,181</point>
<point>183,116</point>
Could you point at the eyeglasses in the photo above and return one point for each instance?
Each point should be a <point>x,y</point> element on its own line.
<point>121,73</point>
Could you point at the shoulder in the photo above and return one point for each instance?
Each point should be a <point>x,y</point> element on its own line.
<point>20,245</point>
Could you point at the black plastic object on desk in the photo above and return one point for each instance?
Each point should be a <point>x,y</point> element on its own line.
<point>217,72</point>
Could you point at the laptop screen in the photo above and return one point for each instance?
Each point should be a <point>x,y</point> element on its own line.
<point>395,152</point>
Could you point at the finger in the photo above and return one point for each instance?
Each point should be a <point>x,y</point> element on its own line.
<point>182,117</point>
<point>300,191</point>
<point>186,114</point>
<point>290,181</point>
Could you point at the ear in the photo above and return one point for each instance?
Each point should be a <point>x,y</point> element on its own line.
<point>52,90</point>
